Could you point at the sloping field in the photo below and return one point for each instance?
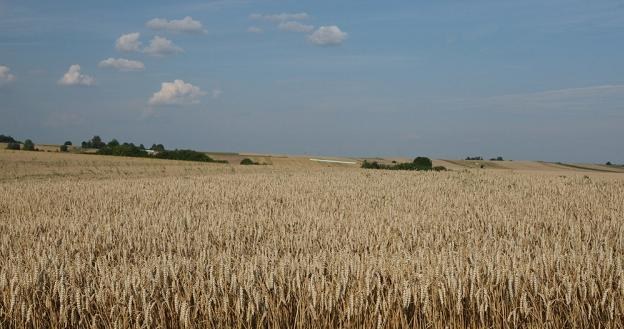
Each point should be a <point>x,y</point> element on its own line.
<point>18,165</point>
<point>591,167</point>
<point>477,164</point>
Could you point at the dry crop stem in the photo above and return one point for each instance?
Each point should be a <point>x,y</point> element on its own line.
<point>313,249</point>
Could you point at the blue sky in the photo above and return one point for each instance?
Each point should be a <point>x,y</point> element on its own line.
<point>537,80</point>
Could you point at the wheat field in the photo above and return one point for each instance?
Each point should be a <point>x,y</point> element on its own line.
<point>157,244</point>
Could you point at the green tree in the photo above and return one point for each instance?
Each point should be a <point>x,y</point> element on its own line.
<point>68,143</point>
<point>96,142</point>
<point>157,148</point>
<point>423,163</point>
<point>7,139</point>
<point>29,145</point>
<point>113,143</point>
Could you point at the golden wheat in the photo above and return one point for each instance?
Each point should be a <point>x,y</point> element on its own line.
<point>218,247</point>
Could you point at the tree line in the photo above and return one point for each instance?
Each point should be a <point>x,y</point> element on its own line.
<point>115,148</point>
<point>418,164</point>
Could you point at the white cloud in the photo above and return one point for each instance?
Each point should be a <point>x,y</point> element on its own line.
<point>177,92</point>
<point>294,26</point>
<point>73,77</point>
<point>186,25</point>
<point>5,75</point>
<point>160,46</point>
<point>216,93</point>
<point>328,36</point>
<point>122,64</point>
<point>254,29</point>
<point>276,18</point>
<point>129,42</point>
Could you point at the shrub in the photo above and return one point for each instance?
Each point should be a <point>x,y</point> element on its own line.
<point>63,148</point>
<point>423,163</point>
<point>373,165</point>
<point>186,155</point>
<point>439,168</point>
<point>248,162</point>
<point>609,163</point>
<point>13,146</point>
<point>406,166</point>
<point>68,143</point>
<point>29,145</point>
<point>125,149</point>
<point>420,163</point>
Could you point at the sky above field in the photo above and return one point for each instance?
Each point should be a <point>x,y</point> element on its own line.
<point>533,79</point>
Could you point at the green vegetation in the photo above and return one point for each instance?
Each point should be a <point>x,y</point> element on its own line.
<point>477,158</point>
<point>94,143</point>
<point>115,148</point>
<point>13,146</point>
<point>498,158</point>
<point>63,148</point>
<point>68,143</point>
<point>186,155</point>
<point>7,139</point>
<point>125,150</point>
<point>420,163</point>
<point>248,162</point>
<point>423,162</point>
<point>28,145</point>
<point>113,143</point>
<point>157,148</point>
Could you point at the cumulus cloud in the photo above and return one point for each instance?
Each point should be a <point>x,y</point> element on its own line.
<point>185,25</point>
<point>129,42</point>
<point>160,46</point>
<point>276,18</point>
<point>177,92</point>
<point>254,29</point>
<point>328,36</point>
<point>294,26</point>
<point>122,64</point>
<point>5,75</point>
<point>73,77</point>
